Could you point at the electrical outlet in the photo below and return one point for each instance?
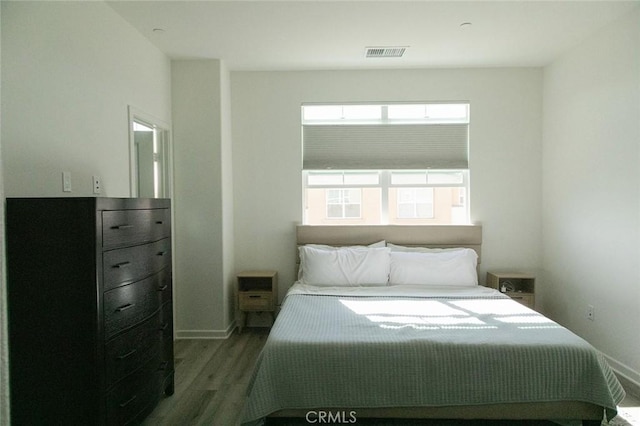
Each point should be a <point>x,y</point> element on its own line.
<point>97,184</point>
<point>66,181</point>
<point>590,313</point>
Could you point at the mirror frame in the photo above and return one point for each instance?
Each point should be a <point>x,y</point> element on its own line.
<point>136,114</point>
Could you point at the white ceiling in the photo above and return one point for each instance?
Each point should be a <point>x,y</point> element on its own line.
<point>314,35</point>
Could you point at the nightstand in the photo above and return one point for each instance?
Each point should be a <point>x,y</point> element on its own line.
<point>257,292</point>
<point>518,286</point>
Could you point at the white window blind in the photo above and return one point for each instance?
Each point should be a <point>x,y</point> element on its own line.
<point>385,144</point>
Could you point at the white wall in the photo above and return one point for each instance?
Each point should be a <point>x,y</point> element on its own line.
<point>201,144</point>
<point>226,158</point>
<point>591,187</point>
<point>70,69</point>
<point>505,154</point>
<point>4,344</point>
<point>68,73</point>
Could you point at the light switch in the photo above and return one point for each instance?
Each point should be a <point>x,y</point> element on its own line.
<point>66,181</point>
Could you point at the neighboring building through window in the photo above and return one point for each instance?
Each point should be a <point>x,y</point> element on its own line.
<point>415,203</point>
<point>386,164</point>
<point>370,197</point>
<point>343,203</point>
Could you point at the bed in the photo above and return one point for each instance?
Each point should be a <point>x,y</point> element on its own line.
<point>423,341</point>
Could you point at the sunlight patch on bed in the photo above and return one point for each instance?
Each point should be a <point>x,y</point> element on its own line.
<point>539,327</point>
<point>435,315</point>
<point>435,321</point>
<point>529,322</point>
<point>401,326</point>
<point>524,319</point>
<point>416,314</point>
<point>402,307</point>
<point>422,327</point>
<point>493,307</point>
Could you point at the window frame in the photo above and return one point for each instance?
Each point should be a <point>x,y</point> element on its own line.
<point>360,137</point>
<point>384,116</point>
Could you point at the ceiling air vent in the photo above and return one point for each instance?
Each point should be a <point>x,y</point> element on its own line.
<point>385,51</point>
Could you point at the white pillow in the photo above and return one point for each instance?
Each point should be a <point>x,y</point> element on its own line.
<point>348,266</point>
<point>450,268</point>
<point>382,243</point>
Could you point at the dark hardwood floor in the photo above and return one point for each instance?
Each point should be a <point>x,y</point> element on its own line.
<point>211,379</point>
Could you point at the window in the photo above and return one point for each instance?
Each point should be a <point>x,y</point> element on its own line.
<point>401,163</point>
<point>397,197</point>
<point>415,203</point>
<point>343,203</point>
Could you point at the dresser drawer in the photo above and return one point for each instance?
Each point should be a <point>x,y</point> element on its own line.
<point>126,265</point>
<point>166,325</point>
<point>129,351</point>
<point>137,392</point>
<point>125,227</point>
<point>256,301</point>
<point>125,306</point>
<point>165,291</point>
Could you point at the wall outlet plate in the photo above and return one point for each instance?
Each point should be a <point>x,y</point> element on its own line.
<point>590,312</point>
<point>97,185</point>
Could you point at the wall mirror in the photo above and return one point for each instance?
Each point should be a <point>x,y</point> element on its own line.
<point>150,156</point>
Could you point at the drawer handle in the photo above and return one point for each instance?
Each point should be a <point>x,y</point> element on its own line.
<point>163,288</point>
<point>119,227</point>
<point>122,265</point>
<point>128,354</point>
<point>129,401</point>
<point>159,222</point>
<point>254,296</point>
<point>164,326</point>
<point>161,253</point>
<point>125,307</point>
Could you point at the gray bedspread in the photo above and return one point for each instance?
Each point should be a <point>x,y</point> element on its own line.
<point>400,346</point>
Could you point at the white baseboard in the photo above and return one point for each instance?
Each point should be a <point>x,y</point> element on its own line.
<point>206,334</point>
<point>629,378</point>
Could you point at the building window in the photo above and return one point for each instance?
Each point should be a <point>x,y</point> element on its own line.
<point>415,203</point>
<point>344,203</point>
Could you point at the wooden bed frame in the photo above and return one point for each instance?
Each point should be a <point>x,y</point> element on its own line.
<point>436,236</point>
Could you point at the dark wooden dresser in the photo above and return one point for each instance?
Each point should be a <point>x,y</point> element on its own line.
<point>90,309</point>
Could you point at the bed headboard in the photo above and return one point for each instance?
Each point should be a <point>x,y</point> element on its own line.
<point>435,236</point>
